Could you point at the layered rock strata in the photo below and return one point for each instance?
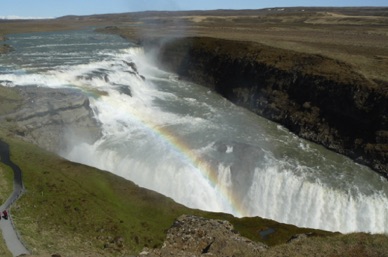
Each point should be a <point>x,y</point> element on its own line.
<point>318,98</point>
<point>54,118</point>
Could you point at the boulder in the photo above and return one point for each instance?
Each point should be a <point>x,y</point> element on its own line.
<point>5,48</point>
<point>197,236</point>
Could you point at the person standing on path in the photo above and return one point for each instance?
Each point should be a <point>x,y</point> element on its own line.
<point>11,238</point>
<point>5,214</point>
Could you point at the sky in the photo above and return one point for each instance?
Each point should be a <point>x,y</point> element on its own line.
<point>57,8</point>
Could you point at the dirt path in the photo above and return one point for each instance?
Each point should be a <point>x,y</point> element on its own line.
<point>10,235</point>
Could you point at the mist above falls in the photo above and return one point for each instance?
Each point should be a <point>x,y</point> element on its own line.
<point>188,143</point>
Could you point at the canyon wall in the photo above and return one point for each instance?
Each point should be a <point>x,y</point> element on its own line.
<point>53,119</point>
<point>318,98</point>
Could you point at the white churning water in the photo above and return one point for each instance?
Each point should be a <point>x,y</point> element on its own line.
<point>190,144</point>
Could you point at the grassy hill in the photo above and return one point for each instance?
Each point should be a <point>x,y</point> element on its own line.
<point>76,210</point>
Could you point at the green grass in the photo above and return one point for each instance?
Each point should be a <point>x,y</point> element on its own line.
<point>3,249</point>
<point>74,209</point>
<point>71,206</point>
<point>6,187</point>
<point>6,182</point>
<point>352,245</point>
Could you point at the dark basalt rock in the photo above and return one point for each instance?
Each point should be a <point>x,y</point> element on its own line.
<point>318,98</point>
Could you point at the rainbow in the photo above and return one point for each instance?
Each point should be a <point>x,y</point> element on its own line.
<point>183,151</point>
<point>207,170</point>
<point>181,148</point>
<point>174,143</point>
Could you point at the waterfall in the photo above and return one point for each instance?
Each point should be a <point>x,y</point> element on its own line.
<point>188,143</point>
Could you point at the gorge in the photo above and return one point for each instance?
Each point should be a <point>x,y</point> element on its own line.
<point>318,98</point>
<point>156,128</point>
<point>161,114</point>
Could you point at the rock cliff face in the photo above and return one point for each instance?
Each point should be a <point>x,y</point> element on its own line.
<point>195,236</point>
<point>5,49</point>
<point>51,117</point>
<point>320,99</point>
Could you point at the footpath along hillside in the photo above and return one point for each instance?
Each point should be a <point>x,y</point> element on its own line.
<point>318,32</point>
<point>10,235</point>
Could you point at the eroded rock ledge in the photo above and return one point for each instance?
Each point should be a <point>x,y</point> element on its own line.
<point>196,236</point>
<point>320,99</point>
<point>51,118</point>
<point>4,48</point>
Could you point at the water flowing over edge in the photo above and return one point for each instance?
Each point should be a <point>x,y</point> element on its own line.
<point>183,141</point>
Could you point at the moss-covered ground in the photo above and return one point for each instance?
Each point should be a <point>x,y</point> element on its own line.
<point>81,211</point>
<point>71,208</point>
<point>6,182</point>
<point>74,209</point>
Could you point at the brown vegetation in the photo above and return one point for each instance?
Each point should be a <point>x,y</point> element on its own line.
<point>355,37</point>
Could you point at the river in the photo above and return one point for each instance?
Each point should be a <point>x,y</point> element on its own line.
<point>188,143</point>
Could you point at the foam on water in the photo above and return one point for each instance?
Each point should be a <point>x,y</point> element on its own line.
<point>186,142</point>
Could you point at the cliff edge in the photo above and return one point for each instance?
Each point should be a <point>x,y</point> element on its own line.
<point>318,98</point>
<point>51,118</point>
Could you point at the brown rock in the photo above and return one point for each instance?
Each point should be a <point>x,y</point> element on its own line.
<point>196,236</point>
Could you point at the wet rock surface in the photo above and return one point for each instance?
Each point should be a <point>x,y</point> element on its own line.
<point>318,98</point>
<point>196,236</point>
<point>51,118</point>
<point>5,48</point>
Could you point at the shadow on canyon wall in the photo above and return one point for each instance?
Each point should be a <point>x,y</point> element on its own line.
<point>316,97</point>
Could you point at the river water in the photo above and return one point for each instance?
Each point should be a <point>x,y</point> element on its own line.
<point>190,144</point>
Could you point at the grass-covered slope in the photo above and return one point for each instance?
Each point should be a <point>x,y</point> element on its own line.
<point>5,190</point>
<point>74,209</point>
<point>352,245</point>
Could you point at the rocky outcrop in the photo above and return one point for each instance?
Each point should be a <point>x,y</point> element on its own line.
<point>320,99</point>
<point>52,118</point>
<point>5,48</point>
<point>195,236</point>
